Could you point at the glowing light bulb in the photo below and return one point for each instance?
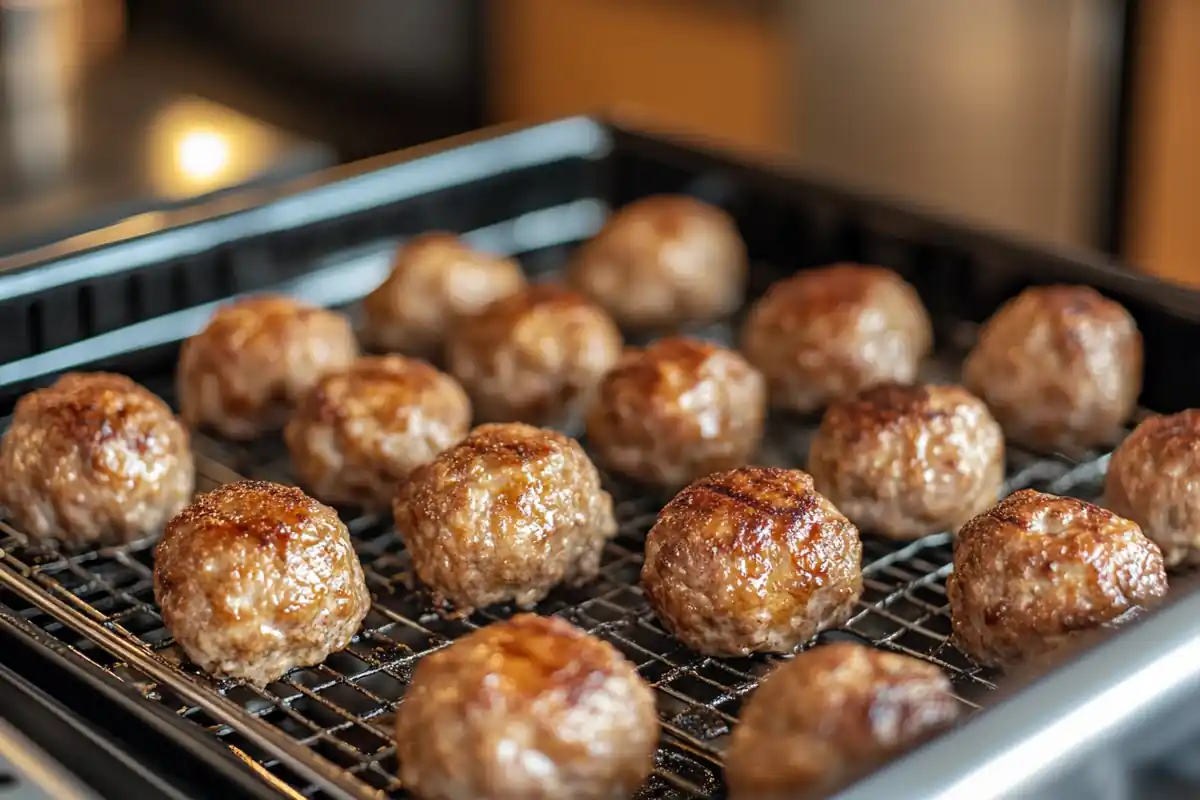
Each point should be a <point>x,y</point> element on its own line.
<point>202,155</point>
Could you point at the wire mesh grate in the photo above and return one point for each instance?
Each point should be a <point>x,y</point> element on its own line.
<point>342,709</point>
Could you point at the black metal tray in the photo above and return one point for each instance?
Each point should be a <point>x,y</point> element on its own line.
<point>124,302</point>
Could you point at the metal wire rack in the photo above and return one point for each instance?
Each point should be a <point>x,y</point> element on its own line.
<point>325,731</point>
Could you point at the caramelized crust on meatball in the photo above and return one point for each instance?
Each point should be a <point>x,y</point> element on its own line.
<point>750,561</point>
<point>662,262</point>
<point>360,431</point>
<point>1152,480</point>
<point>528,709</point>
<point>94,458</point>
<point>908,461</point>
<point>676,411</point>
<point>1036,569</point>
<point>534,357</point>
<point>255,578</point>
<point>507,514</point>
<point>436,278</point>
<point>826,334</point>
<point>242,375</point>
<point>830,714</point>
<point>1060,367</point>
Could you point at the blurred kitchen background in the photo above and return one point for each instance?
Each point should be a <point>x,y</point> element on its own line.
<point>1075,123</point>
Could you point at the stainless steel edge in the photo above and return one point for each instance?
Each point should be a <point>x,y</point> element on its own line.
<point>40,778</point>
<point>354,187</point>
<point>347,277</point>
<point>299,758</point>
<point>1058,720</point>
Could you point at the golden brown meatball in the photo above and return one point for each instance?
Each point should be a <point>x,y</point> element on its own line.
<point>1152,480</point>
<point>1037,568</point>
<point>360,431</point>
<point>528,709</point>
<point>828,333</point>
<point>94,458</point>
<point>662,262</point>
<point>1059,366</point>
<point>436,278</point>
<point>751,561</point>
<point>255,578</point>
<point>507,514</point>
<point>534,357</point>
<point>242,375</point>
<point>908,461</point>
<point>830,714</point>
<point>676,411</point>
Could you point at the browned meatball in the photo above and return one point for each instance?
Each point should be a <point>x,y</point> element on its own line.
<point>95,458</point>
<point>1152,480</point>
<point>360,431</point>
<point>830,714</point>
<point>534,357</point>
<point>436,278</point>
<point>1037,568</point>
<point>528,709</point>
<point>662,262</point>
<point>751,561</point>
<point>908,461</point>
<point>255,578</point>
<point>1059,366</point>
<point>678,410</point>
<point>242,375</point>
<point>828,333</point>
<point>507,514</point>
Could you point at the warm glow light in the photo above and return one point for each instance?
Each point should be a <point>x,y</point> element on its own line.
<point>202,155</point>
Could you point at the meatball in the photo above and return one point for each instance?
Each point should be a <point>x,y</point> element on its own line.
<point>908,461</point>
<point>242,375</point>
<point>534,357</point>
<point>435,280</point>
<point>676,411</point>
<point>1152,480</point>
<point>825,334</point>
<point>94,458</point>
<point>360,431</point>
<point>831,713</point>
<point>751,561</point>
<point>662,262</point>
<point>1060,367</point>
<point>505,515</point>
<point>526,709</point>
<point>255,578</point>
<point>1037,568</point>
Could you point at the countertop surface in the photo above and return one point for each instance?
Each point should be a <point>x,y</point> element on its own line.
<point>125,142</point>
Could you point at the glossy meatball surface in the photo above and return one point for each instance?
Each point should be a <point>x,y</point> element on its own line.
<point>528,709</point>
<point>826,334</point>
<point>360,431</point>
<point>255,578</point>
<point>909,461</point>
<point>1154,479</point>
<point>505,515</point>
<point>94,459</point>
<point>662,262</point>
<point>1060,367</point>
<point>1036,569</point>
<point>676,411</point>
<point>534,357</point>
<point>752,560</point>
<point>828,715</point>
<point>242,375</point>
<point>435,279</point>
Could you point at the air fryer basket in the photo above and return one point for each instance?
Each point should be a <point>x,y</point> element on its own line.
<point>125,303</point>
